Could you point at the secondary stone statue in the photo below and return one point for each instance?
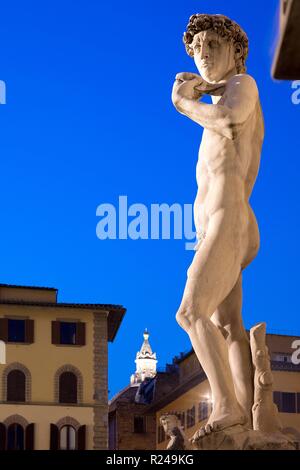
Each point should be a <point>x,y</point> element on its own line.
<point>227,230</point>
<point>173,430</point>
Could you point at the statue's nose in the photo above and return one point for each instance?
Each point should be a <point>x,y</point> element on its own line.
<point>204,53</point>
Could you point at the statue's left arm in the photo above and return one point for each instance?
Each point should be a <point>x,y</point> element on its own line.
<point>241,96</point>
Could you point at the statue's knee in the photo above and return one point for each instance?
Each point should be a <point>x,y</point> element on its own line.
<point>180,318</point>
<point>189,316</point>
<point>184,317</point>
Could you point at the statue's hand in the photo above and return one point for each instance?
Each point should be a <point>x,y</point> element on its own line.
<point>215,89</point>
<point>185,87</point>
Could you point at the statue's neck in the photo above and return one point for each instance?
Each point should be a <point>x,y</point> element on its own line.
<point>226,77</point>
<point>223,81</point>
<point>230,73</point>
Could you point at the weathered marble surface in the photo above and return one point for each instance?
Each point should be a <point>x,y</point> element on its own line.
<point>228,236</point>
<point>240,378</point>
<point>237,438</point>
<point>264,411</point>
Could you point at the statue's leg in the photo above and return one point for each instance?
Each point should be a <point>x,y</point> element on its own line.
<point>229,319</point>
<point>211,277</point>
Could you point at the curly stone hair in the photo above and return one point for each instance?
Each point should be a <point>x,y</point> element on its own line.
<point>222,25</point>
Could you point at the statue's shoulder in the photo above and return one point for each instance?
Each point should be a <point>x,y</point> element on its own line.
<point>243,82</point>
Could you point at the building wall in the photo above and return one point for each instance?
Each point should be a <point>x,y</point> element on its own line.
<point>127,439</point>
<point>281,343</point>
<point>188,367</point>
<point>123,408</point>
<point>27,294</point>
<point>43,359</point>
<point>100,367</point>
<point>43,415</point>
<point>284,381</point>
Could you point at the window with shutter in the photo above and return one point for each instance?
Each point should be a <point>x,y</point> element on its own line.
<point>29,331</point>
<point>16,383</point>
<point>15,437</point>
<point>182,419</point>
<point>54,437</point>
<point>4,329</point>
<point>288,402</point>
<point>285,401</point>
<point>277,400</point>
<point>190,417</point>
<point>81,437</point>
<point>29,437</point>
<point>55,326</point>
<point>2,436</point>
<point>139,424</point>
<point>67,438</point>
<point>16,331</point>
<point>68,333</point>
<point>80,336</point>
<point>67,388</point>
<point>202,410</point>
<point>2,352</point>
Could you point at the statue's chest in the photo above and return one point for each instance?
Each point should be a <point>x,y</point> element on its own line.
<point>215,149</point>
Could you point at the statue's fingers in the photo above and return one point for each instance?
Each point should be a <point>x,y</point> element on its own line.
<point>208,428</point>
<point>176,85</point>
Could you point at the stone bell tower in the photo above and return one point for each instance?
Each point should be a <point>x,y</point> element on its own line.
<point>145,362</point>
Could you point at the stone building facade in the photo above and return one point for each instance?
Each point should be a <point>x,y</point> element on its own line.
<point>53,386</point>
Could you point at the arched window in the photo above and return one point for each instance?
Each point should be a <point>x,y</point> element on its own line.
<point>16,384</point>
<point>15,437</point>
<point>67,438</point>
<point>67,434</point>
<point>68,385</point>
<point>67,388</point>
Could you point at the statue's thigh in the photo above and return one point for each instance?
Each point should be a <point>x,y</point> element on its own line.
<point>212,275</point>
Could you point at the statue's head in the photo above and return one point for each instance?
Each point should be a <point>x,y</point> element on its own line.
<point>217,44</point>
<point>169,421</point>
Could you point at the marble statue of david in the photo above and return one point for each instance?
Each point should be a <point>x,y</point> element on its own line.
<point>228,235</point>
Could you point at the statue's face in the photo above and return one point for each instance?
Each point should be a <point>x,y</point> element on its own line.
<point>169,422</point>
<point>214,56</point>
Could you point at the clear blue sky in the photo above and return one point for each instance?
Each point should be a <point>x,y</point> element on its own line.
<point>88,118</point>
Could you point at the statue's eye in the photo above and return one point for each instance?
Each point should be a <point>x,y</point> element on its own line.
<point>197,48</point>
<point>213,44</point>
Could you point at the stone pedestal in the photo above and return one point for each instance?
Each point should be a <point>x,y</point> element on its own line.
<point>237,438</point>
